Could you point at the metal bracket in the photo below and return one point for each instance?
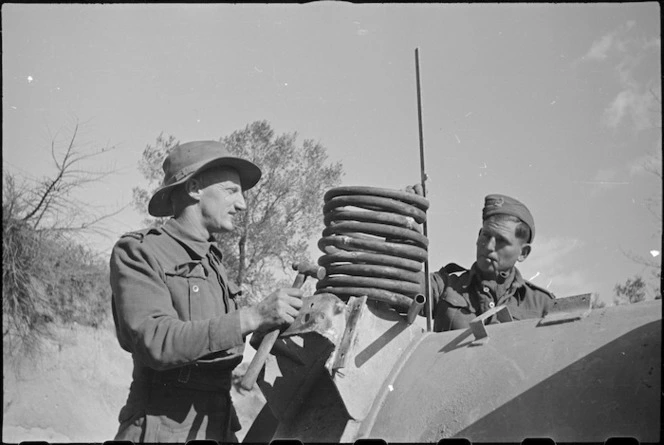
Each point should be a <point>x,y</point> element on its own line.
<point>477,324</point>
<point>568,309</point>
<point>355,308</point>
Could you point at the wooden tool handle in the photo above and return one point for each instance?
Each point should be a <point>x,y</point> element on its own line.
<point>249,378</point>
<point>299,280</point>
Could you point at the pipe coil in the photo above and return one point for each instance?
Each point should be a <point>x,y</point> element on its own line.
<point>346,227</point>
<point>372,244</point>
<point>371,217</point>
<point>376,203</point>
<point>407,197</point>
<point>342,256</point>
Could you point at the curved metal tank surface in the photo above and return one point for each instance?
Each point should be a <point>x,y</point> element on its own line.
<point>583,380</point>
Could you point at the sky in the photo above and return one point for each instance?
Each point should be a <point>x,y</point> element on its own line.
<point>556,105</point>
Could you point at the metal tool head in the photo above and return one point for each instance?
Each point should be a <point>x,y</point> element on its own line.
<point>309,269</point>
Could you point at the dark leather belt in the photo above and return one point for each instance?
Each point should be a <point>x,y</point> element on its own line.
<point>195,377</point>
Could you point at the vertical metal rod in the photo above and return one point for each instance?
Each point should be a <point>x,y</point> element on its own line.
<point>423,178</point>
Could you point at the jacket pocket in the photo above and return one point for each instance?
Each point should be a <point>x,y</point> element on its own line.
<point>187,283</point>
<point>454,299</point>
<point>453,312</point>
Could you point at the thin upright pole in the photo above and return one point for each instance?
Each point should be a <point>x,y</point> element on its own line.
<point>423,178</point>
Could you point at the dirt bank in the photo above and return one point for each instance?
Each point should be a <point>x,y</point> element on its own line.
<point>73,389</point>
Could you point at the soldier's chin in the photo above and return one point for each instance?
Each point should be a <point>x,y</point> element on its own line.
<point>227,227</point>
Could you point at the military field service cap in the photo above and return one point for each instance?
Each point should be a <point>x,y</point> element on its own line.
<point>505,205</point>
<point>185,160</point>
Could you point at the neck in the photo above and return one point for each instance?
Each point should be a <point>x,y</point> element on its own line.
<point>190,219</point>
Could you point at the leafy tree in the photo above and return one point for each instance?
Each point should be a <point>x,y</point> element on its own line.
<point>150,167</point>
<point>633,291</point>
<point>283,209</point>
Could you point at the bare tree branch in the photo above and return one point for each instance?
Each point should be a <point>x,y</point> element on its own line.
<point>52,195</point>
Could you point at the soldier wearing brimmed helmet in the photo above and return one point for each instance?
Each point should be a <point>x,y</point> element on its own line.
<point>174,307</point>
<point>460,294</point>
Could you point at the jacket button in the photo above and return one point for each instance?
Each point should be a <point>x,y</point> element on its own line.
<point>491,304</point>
<point>194,288</point>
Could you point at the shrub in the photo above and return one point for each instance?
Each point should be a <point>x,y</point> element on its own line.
<point>633,291</point>
<point>48,278</point>
<point>47,275</point>
<point>25,304</point>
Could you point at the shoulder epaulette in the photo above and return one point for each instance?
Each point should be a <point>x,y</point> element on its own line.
<point>141,234</point>
<point>454,268</point>
<point>541,289</point>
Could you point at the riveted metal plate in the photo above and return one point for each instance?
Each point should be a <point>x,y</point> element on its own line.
<point>568,309</point>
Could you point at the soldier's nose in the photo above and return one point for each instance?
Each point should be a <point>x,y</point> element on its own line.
<point>241,204</point>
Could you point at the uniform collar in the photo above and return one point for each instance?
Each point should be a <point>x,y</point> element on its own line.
<point>518,279</point>
<point>470,276</point>
<point>197,246</point>
<point>473,276</point>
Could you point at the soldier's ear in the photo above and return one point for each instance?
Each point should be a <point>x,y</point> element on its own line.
<point>193,188</point>
<point>525,251</point>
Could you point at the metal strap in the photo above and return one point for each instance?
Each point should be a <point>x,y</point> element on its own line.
<point>477,324</point>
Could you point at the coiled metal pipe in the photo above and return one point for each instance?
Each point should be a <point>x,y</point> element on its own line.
<point>372,245</point>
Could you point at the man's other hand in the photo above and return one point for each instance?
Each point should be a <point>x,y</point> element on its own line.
<point>416,188</point>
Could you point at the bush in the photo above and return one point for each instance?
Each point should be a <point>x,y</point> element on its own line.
<point>633,291</point>
<point>48,278</point>
<point>82,293</point>
<point>25,304</point>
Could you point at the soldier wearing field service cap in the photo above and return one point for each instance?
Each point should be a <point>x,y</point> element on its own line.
<point>460,294</point>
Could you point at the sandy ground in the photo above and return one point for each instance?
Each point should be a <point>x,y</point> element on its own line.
<point>74,388</point>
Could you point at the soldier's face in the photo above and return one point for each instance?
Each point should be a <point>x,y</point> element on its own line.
<point>498,248</point>
<point>220,199</point>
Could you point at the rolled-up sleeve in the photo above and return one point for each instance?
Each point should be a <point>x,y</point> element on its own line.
<point>147,323</point>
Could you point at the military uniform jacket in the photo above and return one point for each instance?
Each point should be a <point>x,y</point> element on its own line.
<point>459,295</point>
<point>175,311</point>
<point>173,304</point>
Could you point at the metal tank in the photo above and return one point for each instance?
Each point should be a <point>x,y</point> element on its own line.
<point>580,381</point>
<point>574,376</point>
